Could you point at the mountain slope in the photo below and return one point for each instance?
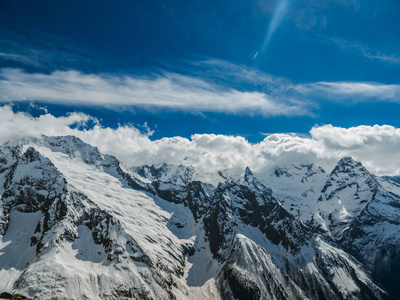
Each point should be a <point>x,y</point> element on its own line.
<point>253,236</point>
<point>69,246</point>
<point>374,238</point>
<point>297,187</point>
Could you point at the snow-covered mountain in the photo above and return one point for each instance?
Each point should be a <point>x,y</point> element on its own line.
<point>77,224</point>
<point>351,206</point>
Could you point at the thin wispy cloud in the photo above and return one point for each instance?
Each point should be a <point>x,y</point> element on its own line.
<point>233,74</point>
<point>41,51</point>
<point>169,90</point>
<point>366,51</point>
<point>18,58</point>
<point>352,91</point>
<point>276,20</point>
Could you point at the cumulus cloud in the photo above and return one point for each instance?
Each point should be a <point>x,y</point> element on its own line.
<point>20,125</point>
<point>375,146</point>
<point>169,90</point>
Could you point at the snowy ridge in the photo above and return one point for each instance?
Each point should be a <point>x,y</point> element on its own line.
<point>293,248</point>
<point>77,224</point>
<point>297,187</point>
<point>241,212</point>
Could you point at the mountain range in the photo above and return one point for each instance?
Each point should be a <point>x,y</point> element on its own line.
<point>77,224</point>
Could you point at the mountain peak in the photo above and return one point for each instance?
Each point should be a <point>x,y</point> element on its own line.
<point>347,160</point>
<point>349,189</point>
<point>31,155</point>
<point>251,181</point>
<point>248,174</point>
<point>348,172</point>
<point>248,171</point>
<point>348,165</point>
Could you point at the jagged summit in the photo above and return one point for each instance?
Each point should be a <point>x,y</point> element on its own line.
<point>348,164</point>
<point>248,172</point>
<point>251,181</point>
<point>348,172</point>
<point>166,173</point>
<point>347,160</point>
<point>248,175</point>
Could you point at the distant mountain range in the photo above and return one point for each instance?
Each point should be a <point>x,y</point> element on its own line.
<point>77,224</point>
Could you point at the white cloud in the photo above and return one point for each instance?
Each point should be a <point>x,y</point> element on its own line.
<point>19,125</point>
<point>353,91</point>
<point>375,146</point>
<point>170,90</point>
<point>257,93</point>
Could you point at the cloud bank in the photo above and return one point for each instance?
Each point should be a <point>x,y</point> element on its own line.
<point>375,146</point>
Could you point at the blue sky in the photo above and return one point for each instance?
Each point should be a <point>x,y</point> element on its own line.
<point>245,68</point>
